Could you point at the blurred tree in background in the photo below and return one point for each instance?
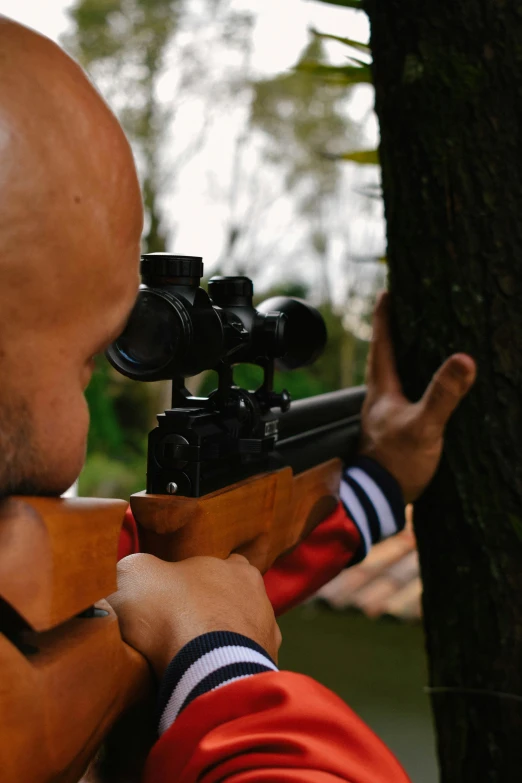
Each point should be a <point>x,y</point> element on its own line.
<point>152,58</point>
<point>304,113</point>
<point>303,117</point>
<point>123,46</point>
<point>127,46</point>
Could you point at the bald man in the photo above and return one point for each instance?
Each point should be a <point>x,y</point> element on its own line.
<point>70,226</point>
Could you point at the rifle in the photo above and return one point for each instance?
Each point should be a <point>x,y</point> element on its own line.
<point>225,474</point>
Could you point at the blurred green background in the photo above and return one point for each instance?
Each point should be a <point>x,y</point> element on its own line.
<point>378,667</point>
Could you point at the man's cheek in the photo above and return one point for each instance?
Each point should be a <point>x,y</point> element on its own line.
<point>64,435</point>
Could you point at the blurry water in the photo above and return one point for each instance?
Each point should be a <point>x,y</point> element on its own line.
<point>377,667</point>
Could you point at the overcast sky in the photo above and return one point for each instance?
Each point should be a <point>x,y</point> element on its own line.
<point>46,17</point>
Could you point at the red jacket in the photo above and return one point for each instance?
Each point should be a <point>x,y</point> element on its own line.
<point>276,727</point>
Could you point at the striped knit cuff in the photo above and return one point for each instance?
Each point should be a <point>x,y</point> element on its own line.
<point>205,664</point>
<point>373,500</point>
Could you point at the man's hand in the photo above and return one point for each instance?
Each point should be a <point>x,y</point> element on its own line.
<point>163,606</point>
<point>407,438</point>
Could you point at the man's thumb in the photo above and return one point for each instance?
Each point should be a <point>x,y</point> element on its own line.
<point>449,385</point>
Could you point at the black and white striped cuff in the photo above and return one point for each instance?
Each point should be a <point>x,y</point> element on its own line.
<point>373,499</point>
<point>205,664</point>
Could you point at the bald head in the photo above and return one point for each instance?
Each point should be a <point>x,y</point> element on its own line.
<point>70,225</point>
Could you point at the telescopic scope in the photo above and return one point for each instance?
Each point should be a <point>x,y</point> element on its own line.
<point>177,330</point>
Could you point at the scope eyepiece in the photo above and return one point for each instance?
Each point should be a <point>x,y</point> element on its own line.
<point>173,329</point>
<point>156,334</point>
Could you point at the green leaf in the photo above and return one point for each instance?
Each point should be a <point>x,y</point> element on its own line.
<point>344,75</point>
<point>363,157</point>
<point>346,3</point>
<point>362,47</point>
<point>357,60</point>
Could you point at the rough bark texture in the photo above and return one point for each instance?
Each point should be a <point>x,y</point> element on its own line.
<point>448,77</point>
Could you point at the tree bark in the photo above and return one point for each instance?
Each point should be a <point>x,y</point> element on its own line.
<point>448,79</point>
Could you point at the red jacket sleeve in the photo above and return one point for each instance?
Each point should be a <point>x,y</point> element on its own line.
<point>371,508</point>
<point>129,543</point>
<point>332,546</point>
<point>276,727</point>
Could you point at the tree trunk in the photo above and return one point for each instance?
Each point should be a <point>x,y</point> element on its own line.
<point>448,78</point>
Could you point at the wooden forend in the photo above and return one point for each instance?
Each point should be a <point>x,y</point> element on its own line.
<point>261,517</point>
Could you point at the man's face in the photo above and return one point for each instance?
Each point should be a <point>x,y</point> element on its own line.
<point>70,226</point>
<point>46,361</point>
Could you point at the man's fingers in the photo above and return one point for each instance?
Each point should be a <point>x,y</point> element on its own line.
<point>449,385</point>
<point>382,372</point>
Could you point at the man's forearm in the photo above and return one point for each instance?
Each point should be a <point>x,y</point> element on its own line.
<point>271,726</point>
<point>371,508</point>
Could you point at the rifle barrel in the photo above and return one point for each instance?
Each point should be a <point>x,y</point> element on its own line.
<point>321,428</point>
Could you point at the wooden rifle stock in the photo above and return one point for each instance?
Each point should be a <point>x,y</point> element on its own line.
<point>67,677</point>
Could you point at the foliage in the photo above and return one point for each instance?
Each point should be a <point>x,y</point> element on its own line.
<point>105,432</point>
<point>364,157</point>
<point>121,411</point>
<point>362,47</point>
<point>121,414</point>
<point>303,115</point>
<point>339,75</point>
<point>117,30</point>
<point>116,477</point>
<point>344,76</point>
<point>122,43</point>
<point>150,58</point>
<point>306,122</point>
